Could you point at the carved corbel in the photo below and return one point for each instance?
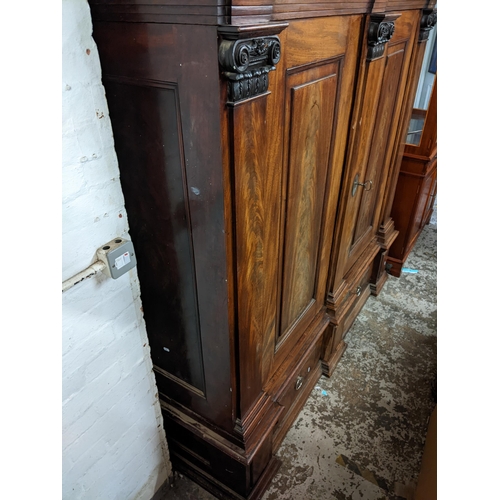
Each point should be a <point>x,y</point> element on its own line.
<point>247,61</point>
<point>428,21</point>
<point>380,31</point>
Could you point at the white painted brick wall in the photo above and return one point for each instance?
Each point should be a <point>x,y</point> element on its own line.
<point>113,441</point>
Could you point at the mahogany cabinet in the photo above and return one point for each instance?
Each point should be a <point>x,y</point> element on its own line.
<point>255,142</point>
<point>417,183</point>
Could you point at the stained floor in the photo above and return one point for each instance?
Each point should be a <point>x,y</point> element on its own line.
<point>361,433</point>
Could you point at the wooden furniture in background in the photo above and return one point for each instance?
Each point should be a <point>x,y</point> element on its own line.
<point>256,143</point>
<point>417,184</point>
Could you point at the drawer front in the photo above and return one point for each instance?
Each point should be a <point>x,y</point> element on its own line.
<point>356,287</point>
<point>360,291</point>
<point>297,388</point>
<point>299,380</point>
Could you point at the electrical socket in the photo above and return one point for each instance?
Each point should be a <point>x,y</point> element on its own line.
<point>119,257</point>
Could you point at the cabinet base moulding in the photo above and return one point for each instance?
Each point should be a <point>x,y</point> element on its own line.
<point>328,366</point>
<point>376,288</point>
<point>217,488</point>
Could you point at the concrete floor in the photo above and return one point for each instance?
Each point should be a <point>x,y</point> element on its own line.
<point>361,433</point>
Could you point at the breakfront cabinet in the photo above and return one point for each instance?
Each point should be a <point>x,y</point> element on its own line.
<point>257,143</point>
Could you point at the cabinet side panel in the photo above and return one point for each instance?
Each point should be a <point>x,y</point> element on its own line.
<point>162,83</point>
<point>403,210</point>
<point>154,183</point>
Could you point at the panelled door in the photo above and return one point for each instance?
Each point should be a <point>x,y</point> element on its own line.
<point>319,66</point>
<point>288,156</point>
<point>382,90</point>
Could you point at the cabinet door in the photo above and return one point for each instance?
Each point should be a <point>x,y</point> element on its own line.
<point>288,154</point>
<point>318,93</point>
<point>366,196</point>
<point>377,114</point>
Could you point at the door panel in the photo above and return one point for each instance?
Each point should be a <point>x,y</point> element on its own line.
<point>375,123</point>
<point>286,162</point>
<point>312,97</point>
<point>364,229</point>
<point>317,105</point>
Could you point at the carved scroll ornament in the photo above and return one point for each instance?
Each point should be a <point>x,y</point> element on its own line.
<point>246,65</point>
<point>380,31</point>
<point>428,21</point>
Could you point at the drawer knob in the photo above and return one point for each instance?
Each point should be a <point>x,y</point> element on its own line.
<point>298,384</point>
<point>358,291</point>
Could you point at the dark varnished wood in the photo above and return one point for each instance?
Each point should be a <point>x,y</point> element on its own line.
<point>152,51</point>
<point>400,5</point>
<point>312,94</point>
<point>344,306</point>
<point>239,12</point>
<point>254,147</point>
<point>248,11</point>
<point>411,211</point>
<point>374,169</point>
<point>244,11</point>
<point>153,180</point>
<point>191,12</point>
<point>292,383</point>
<point>262,193</point>
<point>331,361</point>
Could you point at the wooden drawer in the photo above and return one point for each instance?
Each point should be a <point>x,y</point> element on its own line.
<point>355,280</point>
<point>360,291</point>
<point>299,379</point>
<point>357,285</point>
<point>298,386</point>
<point>356,289</point>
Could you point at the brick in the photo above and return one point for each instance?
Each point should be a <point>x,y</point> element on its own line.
<point>88,398</point>
<point>76,429</point>
<point>116,430</point>
<point>134,480</point>
<point>113,467</point>
<point>77,342</point>
<point>90,205</point>
<point>157,477</point>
